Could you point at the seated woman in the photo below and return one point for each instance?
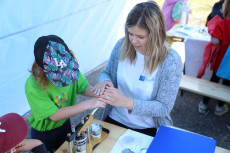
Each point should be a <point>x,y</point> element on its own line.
<point>142,77</point>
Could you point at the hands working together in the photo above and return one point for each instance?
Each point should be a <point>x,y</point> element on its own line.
<point>106,93</point>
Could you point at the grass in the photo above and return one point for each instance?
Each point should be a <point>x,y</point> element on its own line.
<point>200,9</point>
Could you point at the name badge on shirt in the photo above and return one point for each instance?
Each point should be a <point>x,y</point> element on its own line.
<point>143,78</point>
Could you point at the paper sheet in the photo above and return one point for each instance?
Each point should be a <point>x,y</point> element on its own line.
<point>132,140</point>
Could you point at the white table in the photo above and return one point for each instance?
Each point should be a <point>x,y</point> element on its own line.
<point>195,39</point>
<point>115,132</point>
<point>194,49</point>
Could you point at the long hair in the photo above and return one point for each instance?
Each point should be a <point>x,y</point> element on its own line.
<point>39,74</point>
<point>147,16</point>
<point>226,11</point>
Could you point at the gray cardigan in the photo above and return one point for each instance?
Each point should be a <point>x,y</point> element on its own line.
<point>165,89</point>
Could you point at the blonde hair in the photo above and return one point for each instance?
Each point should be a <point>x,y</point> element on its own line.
<point>226,11</point>
<point>148,16</point>
<point>39,74</point>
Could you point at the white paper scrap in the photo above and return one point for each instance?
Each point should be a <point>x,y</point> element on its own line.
<point>132,140</point>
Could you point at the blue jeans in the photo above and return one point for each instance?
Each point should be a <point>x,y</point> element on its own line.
<point>52,139</point>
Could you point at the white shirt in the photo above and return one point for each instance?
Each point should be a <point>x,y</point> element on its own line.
<point>134,82</point>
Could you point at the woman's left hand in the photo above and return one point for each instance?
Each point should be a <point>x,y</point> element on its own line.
<point>114,97</point>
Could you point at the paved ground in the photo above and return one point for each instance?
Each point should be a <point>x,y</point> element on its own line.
<point>185,115</point>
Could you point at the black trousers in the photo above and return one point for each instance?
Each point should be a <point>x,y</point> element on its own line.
<point>52,139</point>
<point>216,79</point>
<point>148,131</point>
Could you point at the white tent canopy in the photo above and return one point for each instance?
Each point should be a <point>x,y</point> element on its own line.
<point>90,28</point>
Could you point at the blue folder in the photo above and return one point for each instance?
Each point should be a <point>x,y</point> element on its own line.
<point>171,140</point>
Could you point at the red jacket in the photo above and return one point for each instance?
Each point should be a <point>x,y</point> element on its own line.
<point>222,32</point>
<point>210,51</point>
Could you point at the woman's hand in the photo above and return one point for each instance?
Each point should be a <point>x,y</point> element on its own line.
<point>114,97</point>
<point>99,88</point>
<point>94,103</point>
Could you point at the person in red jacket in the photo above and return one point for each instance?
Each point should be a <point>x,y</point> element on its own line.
<point>220,36</point>
<point>211,51</point>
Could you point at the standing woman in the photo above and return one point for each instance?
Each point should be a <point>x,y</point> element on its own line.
<point>142,77</point>
<point>51,91</point>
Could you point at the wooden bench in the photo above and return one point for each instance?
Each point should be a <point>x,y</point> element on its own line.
<point>205,88</point>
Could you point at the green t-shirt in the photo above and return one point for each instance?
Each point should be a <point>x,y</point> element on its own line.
<point>45,103</point>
